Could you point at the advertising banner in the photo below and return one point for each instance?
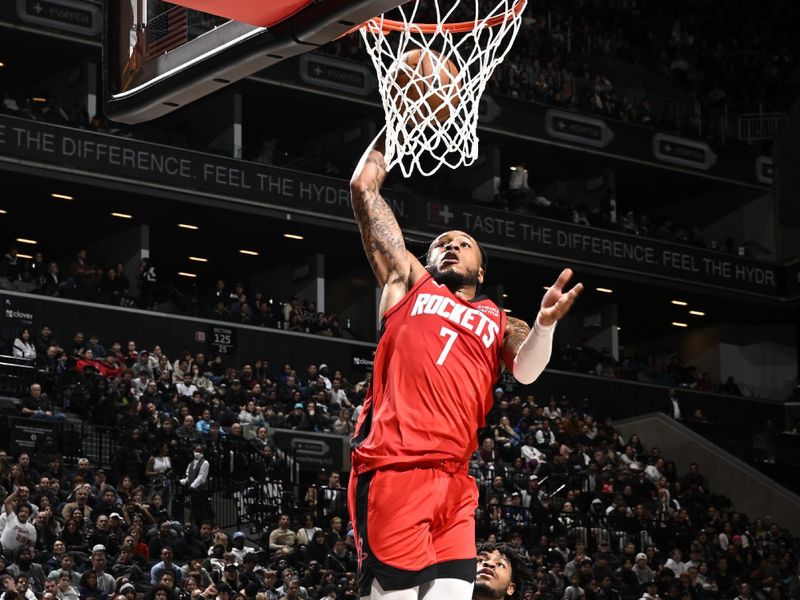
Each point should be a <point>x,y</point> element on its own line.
<point>314,451</point>
<point>295,191</point>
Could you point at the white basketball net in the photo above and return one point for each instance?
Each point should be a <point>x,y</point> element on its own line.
<point>437,123</point>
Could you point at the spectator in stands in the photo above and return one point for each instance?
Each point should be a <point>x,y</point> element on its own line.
<point>51,283</point>
<point>23,346</point>
<point>165,566</point>
<point>730,387</point>
<point>185,387</point>
<point>283,540</point>
<point>675,562</point>
<point>98,350</point>
<point>104,582</point>
<point>342,425</point>
<point>44,341</point>
<point>340,560</point>
<point>66,589</point>
<point>313,418</point>
<point>18,531</point>
<point>672,406</point>
<point>10,265</point>
<point>644,574</point>
<point>147,283</point>
<point>24,567</point>
<point>142,365</point>
<point>37,405</point>
<point>195,485</point>
<point>636,517</point>
<point>239,548</point>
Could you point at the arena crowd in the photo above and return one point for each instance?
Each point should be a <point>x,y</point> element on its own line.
<point>597,516</point>
<point>84,278</point>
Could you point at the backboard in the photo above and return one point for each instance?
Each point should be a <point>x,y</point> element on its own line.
<point>159,56</point>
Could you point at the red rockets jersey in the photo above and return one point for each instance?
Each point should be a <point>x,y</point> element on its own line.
<point>434,369</point>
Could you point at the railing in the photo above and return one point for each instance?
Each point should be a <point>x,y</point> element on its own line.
<point>581,526</point>
<point>16,375</point>
<point>236,500</point>
<point>759,126</point>
<point>746,123</point>
<point>74,440</point>
<point>187,305</point>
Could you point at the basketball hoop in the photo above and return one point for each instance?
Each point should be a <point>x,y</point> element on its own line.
<point>431,103</point>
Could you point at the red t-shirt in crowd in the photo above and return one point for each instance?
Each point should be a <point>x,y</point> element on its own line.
<point>434,369</point>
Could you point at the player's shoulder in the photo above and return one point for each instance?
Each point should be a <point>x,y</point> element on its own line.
<point>514,322</point>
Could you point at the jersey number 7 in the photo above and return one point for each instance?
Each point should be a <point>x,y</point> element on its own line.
<point>451,335</point>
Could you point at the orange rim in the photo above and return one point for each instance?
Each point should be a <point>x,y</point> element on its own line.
<point>388,25</point>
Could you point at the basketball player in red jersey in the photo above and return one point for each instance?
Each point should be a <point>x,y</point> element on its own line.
<point>411,500</point>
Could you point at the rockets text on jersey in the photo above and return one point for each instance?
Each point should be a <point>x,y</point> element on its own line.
<point>471,319</point>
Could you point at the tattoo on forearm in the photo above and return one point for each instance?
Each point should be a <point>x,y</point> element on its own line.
<point>379,228</point>
<point>516,333</point>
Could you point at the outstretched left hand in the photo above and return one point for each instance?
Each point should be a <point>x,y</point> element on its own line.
<point>556,302</point>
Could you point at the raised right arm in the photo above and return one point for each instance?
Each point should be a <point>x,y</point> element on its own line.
<point>9,503</point>
<point>395,268</point>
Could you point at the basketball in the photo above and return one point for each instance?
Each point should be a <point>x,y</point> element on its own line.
<point>422,74</point>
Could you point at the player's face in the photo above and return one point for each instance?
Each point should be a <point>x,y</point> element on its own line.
<point>454,257</point>
<point>493,576</point>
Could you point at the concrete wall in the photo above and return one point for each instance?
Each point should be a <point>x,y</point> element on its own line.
<point>595,328</point>
<point>749,490</point>
<point>751,225</point>
<point>294,278</point>
<point>762,358</point>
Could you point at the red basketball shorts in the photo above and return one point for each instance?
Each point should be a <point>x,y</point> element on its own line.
<point>413,525</point>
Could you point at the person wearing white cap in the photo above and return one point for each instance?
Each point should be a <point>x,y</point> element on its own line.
<point>323,372</point>
<point>643,572</point>
<point>238,548</point>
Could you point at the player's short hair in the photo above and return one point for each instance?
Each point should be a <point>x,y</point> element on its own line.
<point>520,566</point>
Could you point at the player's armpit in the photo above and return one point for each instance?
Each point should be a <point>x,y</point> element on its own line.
<point>397,287</point>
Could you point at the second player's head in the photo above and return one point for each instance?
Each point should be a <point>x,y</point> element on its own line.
<point>501,573</point>
<point>456,260</point>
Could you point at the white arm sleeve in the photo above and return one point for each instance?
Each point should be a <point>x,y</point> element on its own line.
<point>534,353</point>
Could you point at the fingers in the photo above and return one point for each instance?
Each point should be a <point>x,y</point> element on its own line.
<point>565,301</point>
<point>563,279</point>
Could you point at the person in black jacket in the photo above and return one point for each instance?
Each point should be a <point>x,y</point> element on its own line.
<point>51,281</point>
<point>672,406</point>
<point>131,457</point>
<point>340,560</point>
<point>313,418</point>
